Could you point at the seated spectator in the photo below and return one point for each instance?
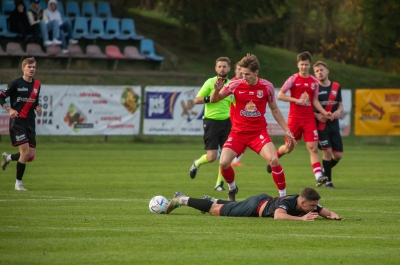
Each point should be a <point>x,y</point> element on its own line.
<point>36,16</point>
<point>19,23</point>
<point>54,15</point>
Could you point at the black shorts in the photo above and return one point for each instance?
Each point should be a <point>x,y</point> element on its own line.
<point>246,208</point>
<point>330,139</point>
<point>23,131</point>
<point>215,133</point>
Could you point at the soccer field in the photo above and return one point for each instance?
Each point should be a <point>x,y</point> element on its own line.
<point>88,204</point>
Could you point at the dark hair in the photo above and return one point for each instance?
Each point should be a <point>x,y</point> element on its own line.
<point>304,56</point>
<point>310,194</point>
<point>223,59</point>
<point>250,61</point>
<point>321,63</point>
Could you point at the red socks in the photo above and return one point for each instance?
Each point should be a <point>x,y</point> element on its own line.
<point>228,174</point>
<point>279,177</point>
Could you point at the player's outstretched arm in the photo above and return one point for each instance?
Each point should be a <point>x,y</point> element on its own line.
<point>277,114</point>
<point>281,214</point>
<point>282,96</point>
<point>329,215</point>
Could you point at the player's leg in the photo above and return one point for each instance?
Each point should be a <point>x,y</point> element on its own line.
<point>336,155</point>
<point>7,158</point>
<point>227,171</point>
<point>219,185</point>
<point>211,142</point>
<point>24,150</point>
<point>325,145</point>
<point>310,134</point>
<point>180,199</point>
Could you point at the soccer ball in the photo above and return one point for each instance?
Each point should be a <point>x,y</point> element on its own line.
<point>158,204</point>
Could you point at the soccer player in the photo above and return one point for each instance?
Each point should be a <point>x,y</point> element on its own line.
<point>216,121</point>
<point>249,127</point>
<point>303,207</point>
<point>24,98</point>
<point>303,97</point>
<point>330,140</point>
<point>238,75</point>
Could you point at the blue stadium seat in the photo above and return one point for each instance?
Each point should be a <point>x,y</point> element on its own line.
<point>96,29</point>
<point>112,29</point>
<point>72,9</point>
<point>27,4</point>
<point>60,7</point>
<point>147,50</point>
<point>7,7</point>
<point>88,10</point>
<point>80,29</point>
<point>4,32</point>
<point>128,30</point>
<point>104,9</point>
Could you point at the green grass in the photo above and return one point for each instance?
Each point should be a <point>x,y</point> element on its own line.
<point>88,204</point>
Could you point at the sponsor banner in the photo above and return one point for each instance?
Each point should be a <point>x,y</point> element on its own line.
<point>344,119</point>
<point>87,110</point>
<point>172,111</point>
<point>377,112</point>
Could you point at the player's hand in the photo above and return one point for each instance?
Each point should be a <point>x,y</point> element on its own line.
<point>309,216</point>
<point>328,114</point>
<point>301,101</point>
<point>335,115</point>
<point>13,113</point>
<point>219,83</point>
<point>39,110</point>
<point>291,139</point>
<point>334,216</point>
<point>321,117</point>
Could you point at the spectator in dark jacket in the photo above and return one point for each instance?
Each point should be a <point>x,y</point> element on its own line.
<point>19,23</point>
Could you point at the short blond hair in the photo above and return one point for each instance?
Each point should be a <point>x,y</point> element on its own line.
<point>27,61</point>
<point>321,63</point>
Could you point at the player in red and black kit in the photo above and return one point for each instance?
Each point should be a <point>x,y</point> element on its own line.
<point>330,140</point>
<point>24,99</point>
<point>302,207</point>
<point>303,99</point>
<point>249,127</point>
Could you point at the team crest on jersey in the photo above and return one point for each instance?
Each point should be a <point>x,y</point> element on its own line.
<point>334,92</point>
<point>260,93</point>
<point>312,86</point>
<point>35,91</point>
<point>250,110</point>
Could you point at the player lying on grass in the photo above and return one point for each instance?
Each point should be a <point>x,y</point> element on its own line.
<point>303,207</point>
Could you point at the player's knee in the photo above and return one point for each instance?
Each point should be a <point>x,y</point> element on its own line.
<point>274,162</point>
<point>30,159</point>
<point>337,156</point>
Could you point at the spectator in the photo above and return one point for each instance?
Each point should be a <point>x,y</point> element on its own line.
<point>19,23</point>
<point>53,14</point>
<point>36,16</point>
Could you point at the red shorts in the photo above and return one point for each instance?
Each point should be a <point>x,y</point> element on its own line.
<point>239,141</point>
<point>306,128</point>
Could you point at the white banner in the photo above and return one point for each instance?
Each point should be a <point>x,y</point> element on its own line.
<point>86,110</point>
<point>172,111</point>
<point>344,119</point>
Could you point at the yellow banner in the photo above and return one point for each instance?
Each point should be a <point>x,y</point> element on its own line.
<point>377,112</point>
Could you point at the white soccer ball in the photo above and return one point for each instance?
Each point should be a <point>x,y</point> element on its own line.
<point>158,204</point>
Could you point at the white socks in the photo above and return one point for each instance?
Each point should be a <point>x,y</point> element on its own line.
<point>18,182</point>
<point>237,159</point>
<point>183,200</point>
<point>8,158</point>
<point>282,192</point>
<point>232,185</point>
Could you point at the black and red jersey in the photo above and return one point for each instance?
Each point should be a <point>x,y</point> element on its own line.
<point>24,96</point>
<point>287,203</point>
<point>329,97</point>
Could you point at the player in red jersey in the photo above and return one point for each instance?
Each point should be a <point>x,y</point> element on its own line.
<point>238,75</point>
<point>249,127</point>
<point>303,99</point>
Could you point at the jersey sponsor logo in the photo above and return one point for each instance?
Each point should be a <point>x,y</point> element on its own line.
<point>323,143</point>
<point>250,110</point>
<point>306,98</point>
<point>328,102</point>
<point>322,92</point>
<point>21,99</point>
<point>260,93</point>
<point>22,89</point>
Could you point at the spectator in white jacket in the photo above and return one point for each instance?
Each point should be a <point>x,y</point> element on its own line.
<point>35,16</point>
<point>54,16</point>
